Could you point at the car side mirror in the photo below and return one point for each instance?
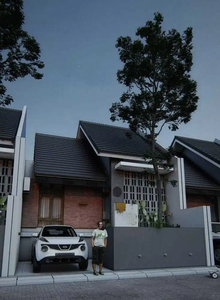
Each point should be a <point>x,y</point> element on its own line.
<point>81,237</point>
<point>34,235</point>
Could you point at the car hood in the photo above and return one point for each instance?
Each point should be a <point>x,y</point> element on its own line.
<point>63,240</point>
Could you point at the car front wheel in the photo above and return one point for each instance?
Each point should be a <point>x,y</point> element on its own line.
<point>83,265</point>
<point>36,265</point>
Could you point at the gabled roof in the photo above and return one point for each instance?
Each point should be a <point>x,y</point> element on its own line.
<point>9,122</point>
<point>64,157</point>
<point>206,148</point>
<point>117,140</point>
<point>196,178</point>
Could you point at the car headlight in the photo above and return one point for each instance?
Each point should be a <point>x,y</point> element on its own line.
<point>83,248</point>
<point>44,248</point>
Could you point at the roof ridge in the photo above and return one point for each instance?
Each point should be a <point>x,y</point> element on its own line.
<point>106,125</point>
<point>56,136</point>
<point>185,137</point>
<point>10,109</point>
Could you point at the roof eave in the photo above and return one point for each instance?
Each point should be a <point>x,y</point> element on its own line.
<point>196,151</point>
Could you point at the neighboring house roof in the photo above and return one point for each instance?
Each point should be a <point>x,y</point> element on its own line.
<point>9,122</point>
<point>65,157</point>
<point>206,148</point>
<point>117,140</point>
<point>196,178</point>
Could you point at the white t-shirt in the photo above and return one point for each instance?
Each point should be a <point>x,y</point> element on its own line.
<point>99,237</point>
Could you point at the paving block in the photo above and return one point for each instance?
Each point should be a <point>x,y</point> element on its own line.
<point>8,281</point>
<point>69,278</point>
<point>130,274</point>
<point>107,276</point>
<point>29,280</point>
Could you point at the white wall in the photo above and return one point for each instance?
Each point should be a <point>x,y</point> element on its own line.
<point>14,204</point>
<point>2,232</point>
<point>196,217</point>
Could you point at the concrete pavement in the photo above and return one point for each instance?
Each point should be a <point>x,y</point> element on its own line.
<point>190,287</point>
<point>52,274</point>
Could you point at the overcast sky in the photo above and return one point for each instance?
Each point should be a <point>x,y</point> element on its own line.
<point>77,39</point>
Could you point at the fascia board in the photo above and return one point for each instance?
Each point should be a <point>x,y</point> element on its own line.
<point>198,153</point>
<point>22,120</point>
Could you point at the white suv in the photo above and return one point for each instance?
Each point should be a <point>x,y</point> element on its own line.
<point>58,244</point>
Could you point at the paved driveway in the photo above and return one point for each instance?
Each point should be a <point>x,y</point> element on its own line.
<point>25,269</point>
<point>198,287</point>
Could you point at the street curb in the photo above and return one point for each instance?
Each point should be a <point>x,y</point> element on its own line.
<point>27,280</point>
<point>113,275</point>
<point>8,281</point>
<point>69,278</point>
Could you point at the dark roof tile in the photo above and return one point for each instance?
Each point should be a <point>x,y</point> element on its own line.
<point>65,157</point>
<point>207,148</point>
<point>117,140</point>
<point>196,178</point>
<point>9,122</point>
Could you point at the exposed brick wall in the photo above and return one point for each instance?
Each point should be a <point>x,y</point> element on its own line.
<point>78,215</point>
<point>30,207</point>
<point>198,200</point>
<point>83,207</point>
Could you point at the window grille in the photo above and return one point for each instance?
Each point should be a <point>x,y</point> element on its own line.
<point>6,176</point>
<point>141,189</point>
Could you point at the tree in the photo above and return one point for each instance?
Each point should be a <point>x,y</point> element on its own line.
<point>160,90</point>
<point>19,52</point>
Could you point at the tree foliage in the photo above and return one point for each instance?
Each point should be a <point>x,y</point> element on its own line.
<point>156,73</point>
<point>19,52</point>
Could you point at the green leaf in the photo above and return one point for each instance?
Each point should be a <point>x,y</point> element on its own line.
<point>3,199</point>
<point>164,207</point>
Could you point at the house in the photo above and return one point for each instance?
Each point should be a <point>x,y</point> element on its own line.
<point>75,179</point>
<point>202,172</point>
<point>99,175</point>
<point>12,184</point>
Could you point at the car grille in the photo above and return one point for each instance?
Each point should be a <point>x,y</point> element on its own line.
<point>63,247</point>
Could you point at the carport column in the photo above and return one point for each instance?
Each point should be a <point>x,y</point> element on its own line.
<point>208,236</point>
<point>14,210</point>
<point>8,252</point>
<point>7,237</point>
<point>117,181</point>
<point>17,212</point>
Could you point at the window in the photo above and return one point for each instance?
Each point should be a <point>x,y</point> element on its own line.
<point>141,189</point>
<point>51,209</point>
<point>6,176</point>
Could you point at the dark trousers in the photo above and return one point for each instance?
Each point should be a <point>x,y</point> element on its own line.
<point>97,255</point>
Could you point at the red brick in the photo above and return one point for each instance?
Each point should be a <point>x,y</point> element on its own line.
<point>83,207</point>
<point>30,207</point>
<point>198,200</point>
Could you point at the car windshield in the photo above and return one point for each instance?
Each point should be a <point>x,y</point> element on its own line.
<point>58,232</point>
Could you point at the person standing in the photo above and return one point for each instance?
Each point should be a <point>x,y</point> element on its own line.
<point>99,243</point>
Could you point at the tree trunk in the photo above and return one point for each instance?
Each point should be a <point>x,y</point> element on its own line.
<point>158,179</point>
<point>159,199</point>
